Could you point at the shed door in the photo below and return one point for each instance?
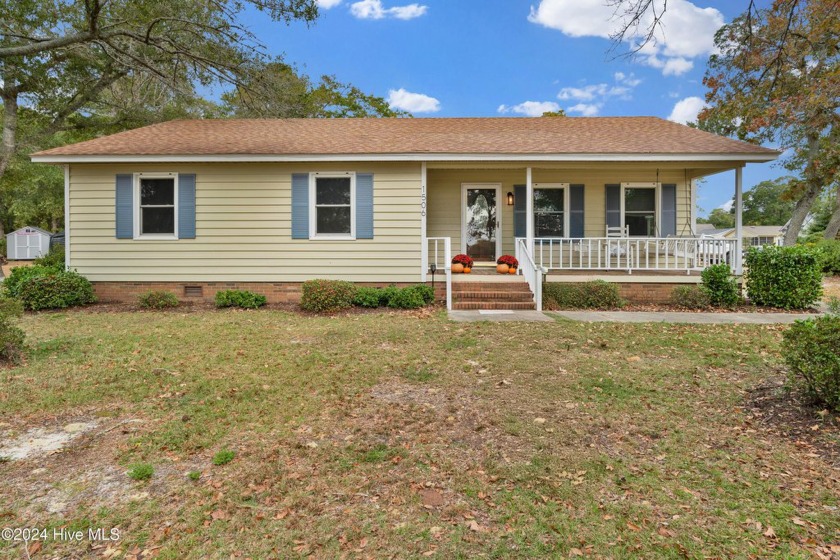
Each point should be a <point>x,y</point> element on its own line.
<point>29,244</point>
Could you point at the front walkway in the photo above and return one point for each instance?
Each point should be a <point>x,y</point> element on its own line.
<point>681,317</point>
<point>631,317</point>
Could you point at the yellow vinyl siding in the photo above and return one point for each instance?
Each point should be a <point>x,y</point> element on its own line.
<point>446,208</point>
<point>243,228</point>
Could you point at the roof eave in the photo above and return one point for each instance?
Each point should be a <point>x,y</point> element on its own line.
<point>429,157</point>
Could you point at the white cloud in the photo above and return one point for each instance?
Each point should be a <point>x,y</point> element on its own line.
<point>531,108</point>
<point>373,9</point>
<point>686,31</point>
<point>628,80</point>
<point>327,4</point>
<point>412,102</point>
<point>593,96</point>
<point>585,109</point>
<point>686,110</point>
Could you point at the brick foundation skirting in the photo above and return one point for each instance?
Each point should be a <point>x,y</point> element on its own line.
<point>649,293</point>
<point>275,292</point>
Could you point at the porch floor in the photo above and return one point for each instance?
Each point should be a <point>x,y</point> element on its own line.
<point>638,276</point>
<point>488,275</point>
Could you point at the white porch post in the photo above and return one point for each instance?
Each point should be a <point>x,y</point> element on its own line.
<point>67,217</point>
<point>424,244</point>
<point>692,185</point>
<point>529,210</point>
<point>739,233</point>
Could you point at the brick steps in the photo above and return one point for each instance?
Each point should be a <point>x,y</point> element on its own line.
<point>497,295</point>
<point>512,305</point>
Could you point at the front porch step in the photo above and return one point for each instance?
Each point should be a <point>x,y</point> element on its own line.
<point>511,295</point>
<point>486,295</point>
<point>494,287</point>
<point>511,305</point>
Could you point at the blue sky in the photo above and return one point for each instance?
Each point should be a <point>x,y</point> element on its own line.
<point>448,58</point>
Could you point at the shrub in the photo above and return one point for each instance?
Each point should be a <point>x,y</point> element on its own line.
<point>426,292</point>
<point>786,277</point>
<point>54,258</point>
<point>11,336</point>
<point>159,300</point>
<point>691,297</point>
<point>367,297</point>
<point>327,295</point>
<point>811,349</point>
<point>587,295</point>
<point>406,298</point>
<point>720,286</point>
<point>240,298</point>
<point>387,294</point>
<point>141,471</point>
<point>833,305</point>
<point>194,475</point>
<point>829,255</point>
<point>56,291</point>
<point>223,457</point>
<point>22,273</point>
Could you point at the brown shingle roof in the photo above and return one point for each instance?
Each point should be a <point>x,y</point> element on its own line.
<point>513,136</point>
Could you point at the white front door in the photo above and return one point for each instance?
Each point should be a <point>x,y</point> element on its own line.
<point>481,228</point>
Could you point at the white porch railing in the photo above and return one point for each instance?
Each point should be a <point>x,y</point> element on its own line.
<point>633,253</point>
<point>532,272</point>
<point>440,255</point>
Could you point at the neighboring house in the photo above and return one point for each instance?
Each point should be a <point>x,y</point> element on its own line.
<point>757,236</point>
<point>753,236</point>
<point>709,230</point>
<point>200,205</point>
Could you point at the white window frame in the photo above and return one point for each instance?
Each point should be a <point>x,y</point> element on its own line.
<point>656,204</point>
<point>547,186</point>
<point>137,225</point>
<point>313,214</point>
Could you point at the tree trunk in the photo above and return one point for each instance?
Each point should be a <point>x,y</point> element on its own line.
<point>833,227</point>
<point>813,187</point>
<point>800,212</point>
<point>10,121</point>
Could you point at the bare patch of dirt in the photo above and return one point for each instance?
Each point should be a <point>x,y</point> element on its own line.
<point>444,419</point>
<point>815,431</point>
<point>59,466</point>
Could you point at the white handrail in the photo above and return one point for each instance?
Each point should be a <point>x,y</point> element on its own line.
<point>532,272</point>
<point>442,262</point>
<point>633,253</point>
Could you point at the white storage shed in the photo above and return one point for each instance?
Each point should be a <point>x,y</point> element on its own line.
<point>27,243</point>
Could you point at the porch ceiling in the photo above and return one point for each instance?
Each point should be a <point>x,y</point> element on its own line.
<point>693,169</point>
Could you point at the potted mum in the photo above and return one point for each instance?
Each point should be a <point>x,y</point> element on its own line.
<point>462,263</point>
<point>507,264</point>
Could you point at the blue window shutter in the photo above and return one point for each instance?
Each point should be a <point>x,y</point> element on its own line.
<point>125,206</point>
<point>364,206</point>
<point>669,210</point>
<point>186,206</point>
<point>520,208</point>
<point>300,206</point>
<point>576,211</point>
<point>613,206</point>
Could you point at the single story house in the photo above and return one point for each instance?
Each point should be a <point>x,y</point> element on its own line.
<point>753,236</point>
<point>195,206</point>
<point>757,236</point>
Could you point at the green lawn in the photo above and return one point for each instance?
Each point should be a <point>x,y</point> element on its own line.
<point>403,435</point>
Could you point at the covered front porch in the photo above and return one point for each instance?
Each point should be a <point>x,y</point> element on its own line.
<point>565,220</point>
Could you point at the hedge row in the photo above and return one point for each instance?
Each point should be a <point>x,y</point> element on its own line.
<point>322,296</point>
